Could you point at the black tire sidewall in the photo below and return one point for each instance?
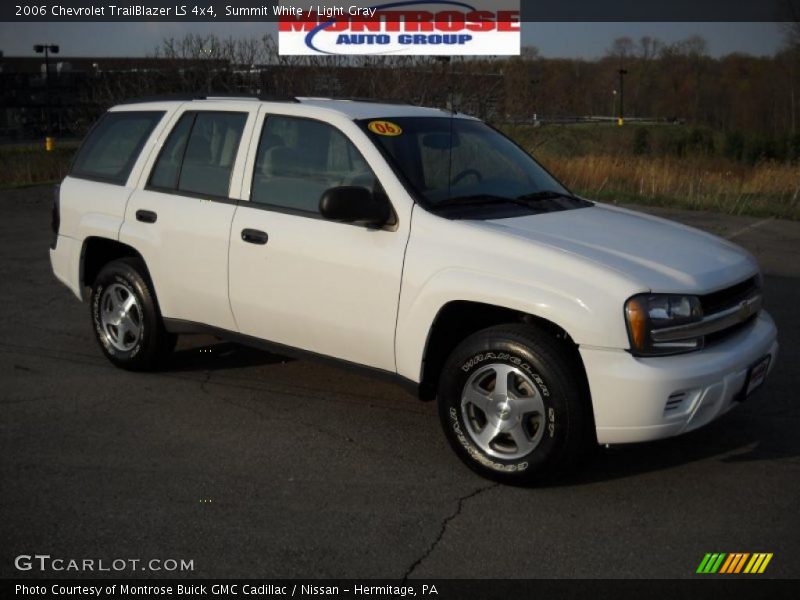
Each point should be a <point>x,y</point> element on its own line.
<point>550,380</point>
<point>125,274</point>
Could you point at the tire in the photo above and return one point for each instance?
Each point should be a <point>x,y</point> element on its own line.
<point>126,319</point>
<point>533,435</point>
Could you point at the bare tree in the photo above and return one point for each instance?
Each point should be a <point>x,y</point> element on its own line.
<point>622,48</point>
<point>649,47</point>
<point>791,9</point>
<point>679,80</point>
<point>791,57</point>
<point>530,53</point>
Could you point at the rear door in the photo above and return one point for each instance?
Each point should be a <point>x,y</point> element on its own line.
<point>180,216</point>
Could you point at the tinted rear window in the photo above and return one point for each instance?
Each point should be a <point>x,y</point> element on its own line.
<point>113,145</point>
<point>168,166</point>
<point>211,152</point>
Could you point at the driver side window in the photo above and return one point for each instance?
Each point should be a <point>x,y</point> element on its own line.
<point>298,159</point>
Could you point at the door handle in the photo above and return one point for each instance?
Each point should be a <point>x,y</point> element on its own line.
<point>146,216</point>
<point>254,236</point>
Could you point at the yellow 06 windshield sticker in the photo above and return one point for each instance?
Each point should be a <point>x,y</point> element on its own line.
<point>385,128</point>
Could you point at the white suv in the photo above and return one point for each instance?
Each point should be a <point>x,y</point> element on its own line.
<point>416,243</point>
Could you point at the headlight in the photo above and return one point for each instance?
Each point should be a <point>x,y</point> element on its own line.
<point>646,314</point>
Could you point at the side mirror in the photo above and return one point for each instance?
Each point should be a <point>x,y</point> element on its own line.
<point>351,204</point>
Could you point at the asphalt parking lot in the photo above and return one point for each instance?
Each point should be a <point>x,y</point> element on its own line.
<point>251,464</point>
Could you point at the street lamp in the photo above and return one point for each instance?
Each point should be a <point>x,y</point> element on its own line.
<point>613,103</point>
<point>47,49</point>
<point>622,72</point>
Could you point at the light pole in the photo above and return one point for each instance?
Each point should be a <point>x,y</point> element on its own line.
<point>622,72</point>
<point>613,103</point>
<point>49,142</point>
<point>447,62</point>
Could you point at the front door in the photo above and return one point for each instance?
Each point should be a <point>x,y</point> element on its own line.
<point>303,281</point>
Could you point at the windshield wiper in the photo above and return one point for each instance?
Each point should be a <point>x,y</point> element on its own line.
<point>478,199</point>
<point>546,195</point>
<point>526,200</point>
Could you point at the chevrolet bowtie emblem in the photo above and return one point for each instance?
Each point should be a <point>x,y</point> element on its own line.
<point>746,309</point>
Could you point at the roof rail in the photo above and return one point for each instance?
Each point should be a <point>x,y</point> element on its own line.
<point>273,98</point>
<point>161,98</point>
<point>261,97</point>
<point>210,96</point>
<point>358,99</point>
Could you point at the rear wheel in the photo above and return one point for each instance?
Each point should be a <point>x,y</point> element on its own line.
<point>125,315</point>
<point>513,405</point>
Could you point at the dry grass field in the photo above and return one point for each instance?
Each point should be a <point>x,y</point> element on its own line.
<point>764,189</point>
<point>30,164</point>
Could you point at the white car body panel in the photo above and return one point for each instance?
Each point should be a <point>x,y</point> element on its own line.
<point>471,261</point>
<point>65,261</point>
<point>325,305</point>
<point>663,256</point>
<point>187,257</point>
<point>629,394</point>
<point>309,296</point>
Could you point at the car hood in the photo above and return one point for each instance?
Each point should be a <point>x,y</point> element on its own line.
<point>660,255</point>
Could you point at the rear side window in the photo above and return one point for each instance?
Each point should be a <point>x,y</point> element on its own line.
<point>199,153</point>
<point>113,145</point>
<point>299,159</point>
<point>167,168</point>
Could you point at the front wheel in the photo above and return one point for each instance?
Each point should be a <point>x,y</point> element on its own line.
<point>125,315</point>
<point>513,404</point>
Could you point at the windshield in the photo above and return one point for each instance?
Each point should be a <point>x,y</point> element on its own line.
<point>450,160</point>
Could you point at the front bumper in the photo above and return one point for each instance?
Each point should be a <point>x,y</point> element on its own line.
<point>641,399</point>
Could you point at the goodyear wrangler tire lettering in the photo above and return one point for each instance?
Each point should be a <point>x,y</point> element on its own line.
<point>509,406</point>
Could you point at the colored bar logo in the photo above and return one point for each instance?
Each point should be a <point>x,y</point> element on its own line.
<point>734,563</point>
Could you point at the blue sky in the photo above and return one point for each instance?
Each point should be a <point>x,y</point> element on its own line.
<point>586,40</point>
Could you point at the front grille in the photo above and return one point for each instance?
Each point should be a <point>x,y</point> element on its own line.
<point>730,296</point>
<point>725,312</point>
<point>727,299</point>
<point>718,336</point>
